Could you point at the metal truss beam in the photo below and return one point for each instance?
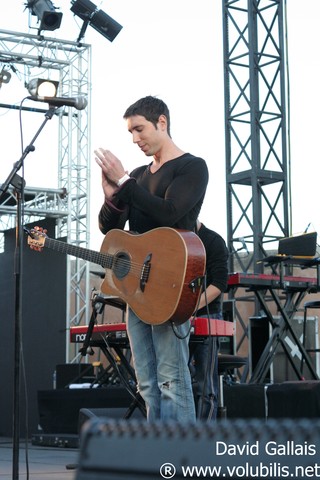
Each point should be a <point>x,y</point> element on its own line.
<point>256,137</point>
<point>255,125</point>
<point>69,203</point>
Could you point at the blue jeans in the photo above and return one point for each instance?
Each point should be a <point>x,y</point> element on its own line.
<point>160,360</point>
<point>205,366</point>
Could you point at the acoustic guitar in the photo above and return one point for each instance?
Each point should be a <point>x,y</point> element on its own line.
<point>158,273</point>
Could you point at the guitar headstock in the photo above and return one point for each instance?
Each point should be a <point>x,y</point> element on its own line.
<point>36,238</point>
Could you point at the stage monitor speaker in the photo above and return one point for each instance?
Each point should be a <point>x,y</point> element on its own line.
<point>86,414</point>
<point>294,399</point>
<point>111,449</point>
<point>59,409</point>
<point>245,400</point>
<point>69,373</point>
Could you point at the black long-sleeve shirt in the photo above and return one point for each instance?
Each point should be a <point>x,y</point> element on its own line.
<point>216,266</point>
<point>171,197</point>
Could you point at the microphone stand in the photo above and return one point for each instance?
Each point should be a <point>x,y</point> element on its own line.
<point>18,183</point>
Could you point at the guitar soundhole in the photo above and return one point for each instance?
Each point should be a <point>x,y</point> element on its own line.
<point>121,266</point>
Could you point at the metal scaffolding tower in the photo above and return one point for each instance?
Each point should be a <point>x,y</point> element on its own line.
<point>256,139</point>
<point>69,202</point>
<point>255,125</point>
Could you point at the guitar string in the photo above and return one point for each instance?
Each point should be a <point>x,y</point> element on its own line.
<point>137,269</point>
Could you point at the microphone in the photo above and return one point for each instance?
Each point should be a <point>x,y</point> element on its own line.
<point>78,102</point>
<point>244,245</point>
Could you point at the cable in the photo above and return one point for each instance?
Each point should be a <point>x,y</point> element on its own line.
<point>174,326</point>
<point>210,340</point>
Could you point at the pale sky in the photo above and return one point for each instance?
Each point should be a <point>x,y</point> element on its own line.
<point>171,49</point>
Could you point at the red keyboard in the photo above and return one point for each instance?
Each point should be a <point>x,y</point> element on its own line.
<point>117,332</point>
<point>213,327</point>
<point>270,281</point>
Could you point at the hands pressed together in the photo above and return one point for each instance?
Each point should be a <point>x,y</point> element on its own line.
<point>112,170</point>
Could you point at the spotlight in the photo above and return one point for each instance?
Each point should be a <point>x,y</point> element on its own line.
<point>46,91</point>
<point>99,20</point>
<point>46,12</point>
<point>38,87</point>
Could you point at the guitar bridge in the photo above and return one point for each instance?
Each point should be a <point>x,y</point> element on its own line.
<point>145,271</point>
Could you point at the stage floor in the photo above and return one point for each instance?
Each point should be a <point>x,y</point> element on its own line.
<point>45,463</point>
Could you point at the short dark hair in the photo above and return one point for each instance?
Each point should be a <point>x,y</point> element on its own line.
<point>151,108</point>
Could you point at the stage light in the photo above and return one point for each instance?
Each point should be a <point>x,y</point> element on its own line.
<point>38,87</point>
<point>105,25</point>
<point>46,12</point>
<point>99,20</point>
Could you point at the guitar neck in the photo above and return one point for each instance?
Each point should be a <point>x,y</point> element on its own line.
<point>103,259</point>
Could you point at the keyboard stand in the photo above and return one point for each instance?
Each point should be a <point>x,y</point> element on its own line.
<point>126,373</point>
<point>280,329</point>
<point>115,356</point>
<point>283,326</point>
